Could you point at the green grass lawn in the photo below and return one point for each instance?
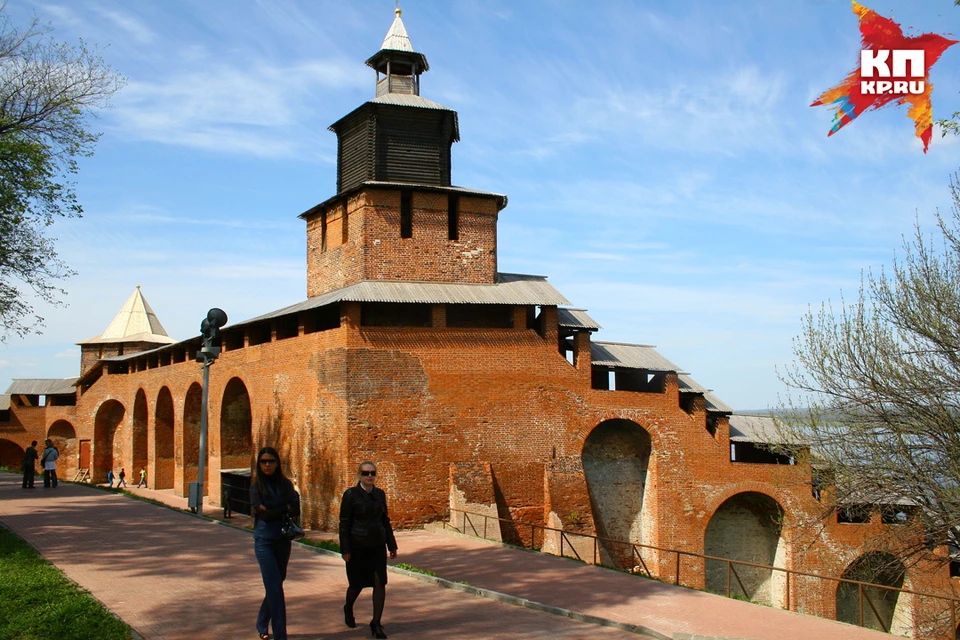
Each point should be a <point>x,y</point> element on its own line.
<point>37,602</point>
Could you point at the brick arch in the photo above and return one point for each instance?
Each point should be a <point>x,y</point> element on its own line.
<point>140,439</point>
<point>748,527</point>
<point>616,459</point>
<point>187,454</point>
<point>11,454</point>
<point>236,427</point>
<point>161,475</point>
<point>64,438</point>
<point>881,568</point>
<point>106,450</point>
<point>752,486</point>
<point>584,431</point>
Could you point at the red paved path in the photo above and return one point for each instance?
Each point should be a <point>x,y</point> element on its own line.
<point>173,575</point>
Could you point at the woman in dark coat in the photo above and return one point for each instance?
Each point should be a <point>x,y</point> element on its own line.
<point>271,496</point>
<point>365,536</point>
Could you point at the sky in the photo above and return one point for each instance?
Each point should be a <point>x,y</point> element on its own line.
<point>663,165</point>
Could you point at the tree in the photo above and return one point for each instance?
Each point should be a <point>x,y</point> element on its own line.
<point>878,381</point>
<point>950,125</point>
<point>48,90</point>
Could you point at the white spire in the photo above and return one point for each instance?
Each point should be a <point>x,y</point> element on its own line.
<point>135,322</point>
<point>397,38</point>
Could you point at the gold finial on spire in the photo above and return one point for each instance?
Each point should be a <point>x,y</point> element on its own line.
<point>397,10</point>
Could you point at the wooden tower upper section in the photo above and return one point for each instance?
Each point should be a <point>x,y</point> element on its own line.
<point>398,136</point>
<point>396,215</point>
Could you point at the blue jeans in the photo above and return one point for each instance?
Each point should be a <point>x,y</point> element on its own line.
<point>273,556</point>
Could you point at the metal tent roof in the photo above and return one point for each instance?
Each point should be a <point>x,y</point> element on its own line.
<point>135,322</point>
<point>576,319</point>
<point>510,288</point>
<point>42,386</point>
<point>629,356</point>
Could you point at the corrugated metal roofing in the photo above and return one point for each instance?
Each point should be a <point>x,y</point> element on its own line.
<point>759,429</point>
<point>689,385</point>
<point>576,319</point>
<point>716,404</point>
<point>431,187</point>
<point>408,100</point>
<point>629,356</point>
<point>42,386</point>
<point>402,185</point>
<point>511,288</point>
<point>135,322</point>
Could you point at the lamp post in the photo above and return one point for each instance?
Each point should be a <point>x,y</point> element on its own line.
<point>210,331</point>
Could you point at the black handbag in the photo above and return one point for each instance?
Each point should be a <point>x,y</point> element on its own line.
<point>289,529</point>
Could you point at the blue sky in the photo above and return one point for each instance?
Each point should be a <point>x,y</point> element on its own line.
<point>663,165</point>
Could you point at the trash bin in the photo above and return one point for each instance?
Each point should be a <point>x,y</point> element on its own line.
<point>235,491</point>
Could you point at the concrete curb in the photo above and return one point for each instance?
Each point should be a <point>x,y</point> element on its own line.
<point>505,598</point>
<point>529,604</point>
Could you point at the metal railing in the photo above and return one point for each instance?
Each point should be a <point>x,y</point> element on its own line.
<point>789,574</point>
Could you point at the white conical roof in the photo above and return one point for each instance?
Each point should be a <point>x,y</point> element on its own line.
<point>135,322</point>
<point>397,38</point>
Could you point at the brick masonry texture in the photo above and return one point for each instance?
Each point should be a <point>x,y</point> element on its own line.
<point>491,419</point>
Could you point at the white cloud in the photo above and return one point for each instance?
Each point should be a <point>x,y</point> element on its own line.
<point>139,31</point>
<point>260,110</point>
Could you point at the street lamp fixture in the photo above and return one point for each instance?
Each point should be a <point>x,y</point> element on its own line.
<point>209,350</point>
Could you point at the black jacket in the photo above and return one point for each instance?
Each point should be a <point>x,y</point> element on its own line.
<point>278,500</point>
<point>29,458</point>
<point>364,521</point>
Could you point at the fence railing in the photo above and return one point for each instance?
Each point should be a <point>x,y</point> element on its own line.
<point>790,575</point>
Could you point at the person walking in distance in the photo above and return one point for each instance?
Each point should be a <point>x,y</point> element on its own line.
<point>365,537</point>
<point>110,478</point>
<point>272,496</point>
<point>121,479</point>
<point>143,479</point>
<point>29,465</point>
<point>49,460</point>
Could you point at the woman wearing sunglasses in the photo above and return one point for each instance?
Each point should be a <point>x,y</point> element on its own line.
<point>365,536</point>
<point>271,496</point>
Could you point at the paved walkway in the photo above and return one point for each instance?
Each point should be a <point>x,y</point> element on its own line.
<point>173,575</point>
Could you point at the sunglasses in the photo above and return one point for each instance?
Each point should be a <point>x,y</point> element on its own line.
<point>267,461</point>
<point>368,473</point>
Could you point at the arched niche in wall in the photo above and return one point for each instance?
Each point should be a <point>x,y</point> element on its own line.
<point>747,527</point>
<point>236,424</point>
<point>877,568</point>
<point>616,458</point>
<point>140,414</point>
<point>163,441</point>
<point>106,451</point>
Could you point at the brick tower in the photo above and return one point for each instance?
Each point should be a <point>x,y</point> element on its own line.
<point>396,215</point>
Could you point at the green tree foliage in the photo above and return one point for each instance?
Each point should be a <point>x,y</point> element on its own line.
<point>48,91</point>
<point>950,125</point>
<point>878,383</point>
